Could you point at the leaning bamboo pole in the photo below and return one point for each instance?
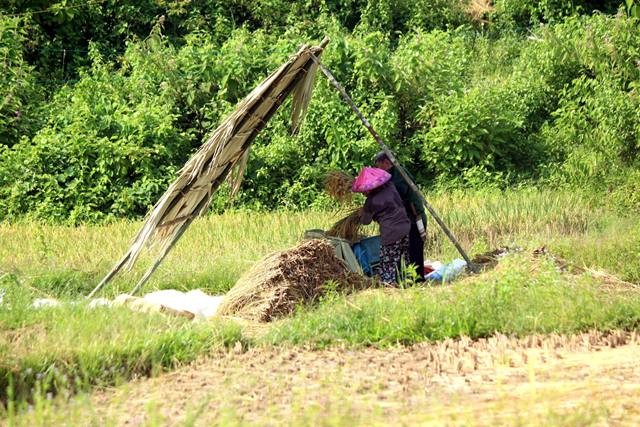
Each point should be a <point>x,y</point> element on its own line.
<point>393,160</point>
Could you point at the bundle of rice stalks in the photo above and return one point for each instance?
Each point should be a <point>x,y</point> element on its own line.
<point>277,284</point>
<point>348,228</point>
<point>337,184</point>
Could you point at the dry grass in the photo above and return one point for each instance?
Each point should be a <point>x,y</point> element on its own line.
<point>587,379</point>
<point>276,285</point>
<point>348,228</point>
<point>337,184</point>
<point>479,9</point>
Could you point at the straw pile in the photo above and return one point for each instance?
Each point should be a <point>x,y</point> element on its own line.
<point>337,184</point>
<point>277,284</point>
<point>348,228</point>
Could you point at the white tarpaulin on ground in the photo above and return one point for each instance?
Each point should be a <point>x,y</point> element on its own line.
<point>193,304</point>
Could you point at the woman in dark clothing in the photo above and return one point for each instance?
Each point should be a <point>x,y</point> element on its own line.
<point>385,206</point>
<point>414,209</point>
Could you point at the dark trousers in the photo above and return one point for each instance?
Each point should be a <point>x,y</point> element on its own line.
<point>416,250</point>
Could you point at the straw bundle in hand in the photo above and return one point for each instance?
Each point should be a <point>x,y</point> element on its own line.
<point>337,184</point>
<point>347,228</point>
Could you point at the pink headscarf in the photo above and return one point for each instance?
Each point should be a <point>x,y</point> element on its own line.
<point>370,178</point>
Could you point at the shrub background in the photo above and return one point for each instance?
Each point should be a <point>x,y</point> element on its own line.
<point>102,103</point>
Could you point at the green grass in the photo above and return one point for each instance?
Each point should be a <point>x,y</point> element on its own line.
<point>522,296</point>
<point>65,261</point>
<point>73,348</point>
<point>615,249</point>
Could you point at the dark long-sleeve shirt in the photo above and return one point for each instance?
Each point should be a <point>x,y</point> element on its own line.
<point>385,206</point>
<point>409,197</point>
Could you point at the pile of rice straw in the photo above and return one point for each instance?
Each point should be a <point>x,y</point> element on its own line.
<point>337,184</point>
<point>348,228</point>
<point>277,284</point>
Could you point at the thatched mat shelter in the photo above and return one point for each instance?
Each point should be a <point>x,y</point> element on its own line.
<point>223,157</point>
<point>278,283</point>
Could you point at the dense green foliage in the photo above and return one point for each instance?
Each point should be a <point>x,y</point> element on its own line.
<point>103,101</point>
<point>19,92</point>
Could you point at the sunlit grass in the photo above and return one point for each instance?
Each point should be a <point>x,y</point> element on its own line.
<point>520,297</point>
<point>217,249</point>
<point>211,255</point>
<point>74,348</point>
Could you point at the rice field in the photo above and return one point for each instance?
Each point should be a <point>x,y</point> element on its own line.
<point>67,261</point>
<point>73,349</point>
<point>580,380</point>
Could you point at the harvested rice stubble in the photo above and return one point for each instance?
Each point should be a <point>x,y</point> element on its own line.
<point>277,284</point>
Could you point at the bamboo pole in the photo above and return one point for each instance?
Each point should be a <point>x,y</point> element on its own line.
<point>394,161</point>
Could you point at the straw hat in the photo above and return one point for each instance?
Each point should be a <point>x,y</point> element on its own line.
<point>369,179</point>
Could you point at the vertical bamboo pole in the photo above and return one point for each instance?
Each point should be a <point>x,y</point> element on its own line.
<point>394,161</point>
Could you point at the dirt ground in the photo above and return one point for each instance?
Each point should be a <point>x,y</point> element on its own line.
<point>587,379</point>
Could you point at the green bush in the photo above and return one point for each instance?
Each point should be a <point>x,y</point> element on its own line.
<point>460,104</point>
<point>20,95</point>
<point>427,67</point>
<point>595,132</point>
<point>522,13</point>
<point>110,147</point>
<point>594,136</point>
<point>396,17</point>
<point>484,128</point>
<point>625,192</point>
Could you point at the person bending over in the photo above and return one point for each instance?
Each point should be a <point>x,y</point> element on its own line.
<point>413,207</point>
<point>384,206</point>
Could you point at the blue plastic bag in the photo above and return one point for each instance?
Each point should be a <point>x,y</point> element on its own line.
<point>448,271</point>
